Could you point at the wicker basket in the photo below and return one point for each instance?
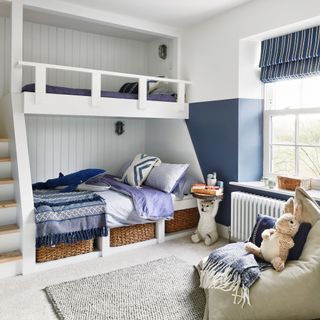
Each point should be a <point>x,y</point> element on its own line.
<point>132,234</point>
<point>183,220</point>
<point>290,183</point>
<point>45,254</point>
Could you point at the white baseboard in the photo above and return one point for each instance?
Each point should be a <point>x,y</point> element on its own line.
<point>223,231</point>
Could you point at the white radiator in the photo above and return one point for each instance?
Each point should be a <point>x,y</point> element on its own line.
<point>245,208</point>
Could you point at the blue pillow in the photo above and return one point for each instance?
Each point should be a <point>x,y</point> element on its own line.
<point>166,176</point>
<point>263,222</point>
<point>267,222</point>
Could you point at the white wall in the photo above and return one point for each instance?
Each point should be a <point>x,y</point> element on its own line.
<point>68,144</point>
<point>210,50</point>
<point>170,140</point>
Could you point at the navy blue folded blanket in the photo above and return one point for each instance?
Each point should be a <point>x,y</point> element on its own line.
<point>68,217</point>
<point>106,94</point>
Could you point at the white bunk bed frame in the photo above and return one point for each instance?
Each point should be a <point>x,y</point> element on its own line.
<point>40,102</point>
<point>15,105</point>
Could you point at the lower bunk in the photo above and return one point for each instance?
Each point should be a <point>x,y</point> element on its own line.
<point>126,236</point>
<point>106,215</point>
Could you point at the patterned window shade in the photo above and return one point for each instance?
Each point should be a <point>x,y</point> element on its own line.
<point>295,55</point>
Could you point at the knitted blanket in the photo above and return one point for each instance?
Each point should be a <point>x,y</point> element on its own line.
<point>68,217</point>
<point>231,268</point>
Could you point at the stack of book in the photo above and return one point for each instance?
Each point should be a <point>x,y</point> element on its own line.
<point>203,189</point>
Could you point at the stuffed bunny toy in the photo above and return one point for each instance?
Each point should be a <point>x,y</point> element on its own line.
<point>207,227</point>
<point>277,242</point>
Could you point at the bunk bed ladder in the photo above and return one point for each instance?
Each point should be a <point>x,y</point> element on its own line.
<point>10,254</point>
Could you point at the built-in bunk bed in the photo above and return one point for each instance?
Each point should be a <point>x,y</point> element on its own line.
<point>137,95</point>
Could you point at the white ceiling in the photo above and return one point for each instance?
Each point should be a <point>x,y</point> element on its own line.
<point>174,13</point>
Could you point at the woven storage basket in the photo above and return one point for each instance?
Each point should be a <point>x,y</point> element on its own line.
<point>131,234</point>
<point>45,254</point>
<point>291,183</point>
<point>183,220</point>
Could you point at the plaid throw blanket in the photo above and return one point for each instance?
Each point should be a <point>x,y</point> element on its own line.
<point>231,268</point>
<point>68,217</point>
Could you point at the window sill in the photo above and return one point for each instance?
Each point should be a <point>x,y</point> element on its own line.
<point>258,185</point>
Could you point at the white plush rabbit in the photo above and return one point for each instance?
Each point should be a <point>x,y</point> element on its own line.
<point>277,242</point>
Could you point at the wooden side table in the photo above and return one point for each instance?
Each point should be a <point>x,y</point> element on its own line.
<point>207,227</point>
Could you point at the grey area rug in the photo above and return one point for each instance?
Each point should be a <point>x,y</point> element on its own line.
<point>164,289</point>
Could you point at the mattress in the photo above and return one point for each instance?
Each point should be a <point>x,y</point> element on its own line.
<point>120,210</point>
<point>106,94</point>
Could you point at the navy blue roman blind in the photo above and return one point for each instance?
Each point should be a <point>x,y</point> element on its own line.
<point>293,55</point>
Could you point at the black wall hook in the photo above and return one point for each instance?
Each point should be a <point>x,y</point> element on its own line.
<point>119,128</point>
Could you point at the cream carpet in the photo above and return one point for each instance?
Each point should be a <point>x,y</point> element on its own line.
<point>23,297</point>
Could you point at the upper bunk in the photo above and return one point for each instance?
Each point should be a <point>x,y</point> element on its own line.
<point>138,99</point>
<point>75,66</point>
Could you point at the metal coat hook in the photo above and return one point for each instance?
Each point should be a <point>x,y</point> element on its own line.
<point>119,128</point>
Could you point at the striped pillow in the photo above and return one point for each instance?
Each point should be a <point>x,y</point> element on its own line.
<point>130,87</point>
<point>139,169</point>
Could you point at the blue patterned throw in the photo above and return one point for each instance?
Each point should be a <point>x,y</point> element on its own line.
<point>68,217</point>
<point>231,268</point>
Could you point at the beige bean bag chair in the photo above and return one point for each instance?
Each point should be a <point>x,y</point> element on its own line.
<point>293,293</point>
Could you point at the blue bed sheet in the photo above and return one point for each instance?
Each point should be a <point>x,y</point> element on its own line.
<point>106,94</point>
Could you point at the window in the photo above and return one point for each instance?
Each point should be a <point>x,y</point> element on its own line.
<point>292,127</point>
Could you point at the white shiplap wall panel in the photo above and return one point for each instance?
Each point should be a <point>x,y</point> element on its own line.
<point>4,55</point>
<point>75,48</point>
<point>68,144</point>
<point>43,43</point>
<point>158,66</point>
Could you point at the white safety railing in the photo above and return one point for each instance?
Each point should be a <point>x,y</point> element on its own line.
<point>41,71</point>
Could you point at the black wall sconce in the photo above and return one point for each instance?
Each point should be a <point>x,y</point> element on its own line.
<point>163,51</point>
<point>119,128</point>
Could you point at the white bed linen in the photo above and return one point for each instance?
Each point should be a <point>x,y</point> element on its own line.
<point>120,210</point>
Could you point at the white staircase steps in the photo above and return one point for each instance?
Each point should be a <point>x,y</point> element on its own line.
<point>4,147</point>
<point>4,181</point>
<point>10,256</point>
<point>7,204</point>
<point>8,229</point>
<point>10,237</point>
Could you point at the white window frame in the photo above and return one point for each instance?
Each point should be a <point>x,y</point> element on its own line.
<point>267,130</point>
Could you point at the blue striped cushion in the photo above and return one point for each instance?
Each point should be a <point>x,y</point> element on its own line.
<point>139,169</point>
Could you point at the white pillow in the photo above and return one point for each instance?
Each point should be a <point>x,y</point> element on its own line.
<point>166,176</point>
<point>139,169</point>
<point>153,85</point>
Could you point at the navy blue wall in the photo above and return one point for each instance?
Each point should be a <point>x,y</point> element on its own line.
<point>250,159</point>
<point>227,137</point>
